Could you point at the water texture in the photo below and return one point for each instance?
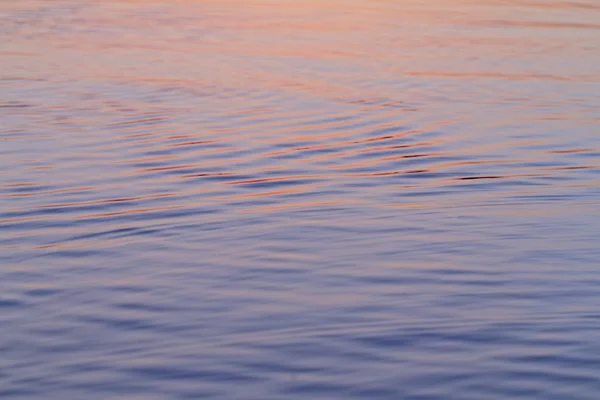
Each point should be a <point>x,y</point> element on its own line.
<point>358,199</point>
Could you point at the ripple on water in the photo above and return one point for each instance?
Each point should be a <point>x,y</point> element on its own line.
<point>296,201</point>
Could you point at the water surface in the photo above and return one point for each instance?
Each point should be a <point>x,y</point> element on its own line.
<point>358,199</point>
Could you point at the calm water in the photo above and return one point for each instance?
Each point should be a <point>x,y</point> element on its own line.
<point>357,199</point>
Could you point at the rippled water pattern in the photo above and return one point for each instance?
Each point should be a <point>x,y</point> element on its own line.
<point>358,199</point>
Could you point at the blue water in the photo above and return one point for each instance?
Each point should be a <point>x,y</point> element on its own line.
<point>300,200</point>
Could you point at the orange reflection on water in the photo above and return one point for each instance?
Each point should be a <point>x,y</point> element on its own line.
<point>193,102</point>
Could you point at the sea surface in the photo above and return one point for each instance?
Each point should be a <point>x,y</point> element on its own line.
<point>300,199</point>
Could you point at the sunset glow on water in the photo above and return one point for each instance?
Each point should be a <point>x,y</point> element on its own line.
<point>360,199</point>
